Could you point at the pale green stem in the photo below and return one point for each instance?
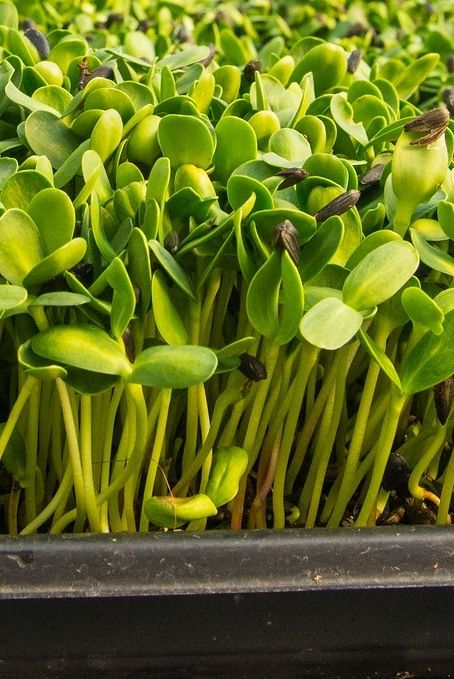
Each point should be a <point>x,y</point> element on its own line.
<point>136,403</point>
<point>107,452</point>
<point>446,493</point>
<point>156,454</point>
<point>310,497</point>
<point>227,398</point>
<point>252,441</point>
<point>308,429</point>
<point>430,451</point>
<point>61,494</point>
<point>190,445</point>
<point>357,441</point>
<point>383,450</point>
<point>74,452</point>
<point>32,454</point>
<point>308,359</point>
<point>87,463</point>
<point>26,390</point>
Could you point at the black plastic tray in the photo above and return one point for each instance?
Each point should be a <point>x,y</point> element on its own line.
<point>294,603</point>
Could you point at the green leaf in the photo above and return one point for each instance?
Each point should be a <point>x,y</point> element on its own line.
<point>123,300</point>
<point>422,309</point>
<point>431,360</point>
<point>379,357</point>
<point>56,263</point>
<point>51,207</point>
<point>240,188</point>
<point>8,166</point>
<point>53,96</point>
<point>21,187</point>
<point>287,148</point>
<point>262,299</point>
<point>317,252</point>
<point>172,268</point>
<point>380,274</point>
<point>445,213</point>
<point>342,113</point>
<point>370,243</point>
<point>229,156</point>
<point>99,235</point>
<point>36,366</point>
<point>411,77</point>
<point>234,348</point>
<point>275,299</point>
<point>17,97</point>
<point>60,299</point>
<point>431,255</point>
<point>71,165</point>
<point>97,304</point>
<point>328,64</point>
<point>81,346</point>
<point>158,181</point>
<point>139,267</point>
<point>186,57</point>
<point>20,245</point>
<point>88,382</point>
<point>173,512</point>
<point>166,316</point>
<point>291,303</point>
<point>110,98</point>
<point>107,134</point>
<point>173,367</point>
<point>49,136</point>
<point>229,465</point>
<point>12,296</point>
<point>185,140</point>
<point>330,324</point>
<point>9,16</point>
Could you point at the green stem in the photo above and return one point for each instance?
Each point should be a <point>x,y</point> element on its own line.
<point>356,444</point>
<point>308,429</point>
<point>107,452</point>
<point>61,494</point>
<point>446,493</point>
<point>430,452</point>
<point>137,407</point>
<point>227,398</point>
<point>252,441</point>
<point>87,463</point>
<point>192,417</point>
<point>137,404</point>
<point>308,359</point>
<point>158,446</point>
<point>26,390</point>
<point>312,490</point>
<point>384,446</point>
<point>32,453</point>
<point>74,452</point>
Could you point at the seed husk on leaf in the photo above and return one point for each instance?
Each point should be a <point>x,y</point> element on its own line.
<point>433,122</point>
<point>373,175</point>
<point>339,205</point>
<point>286,238</point>
<point>39,40</point>
<point>292,176</point>
<point>250,69</point>
<point>353,61</point>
